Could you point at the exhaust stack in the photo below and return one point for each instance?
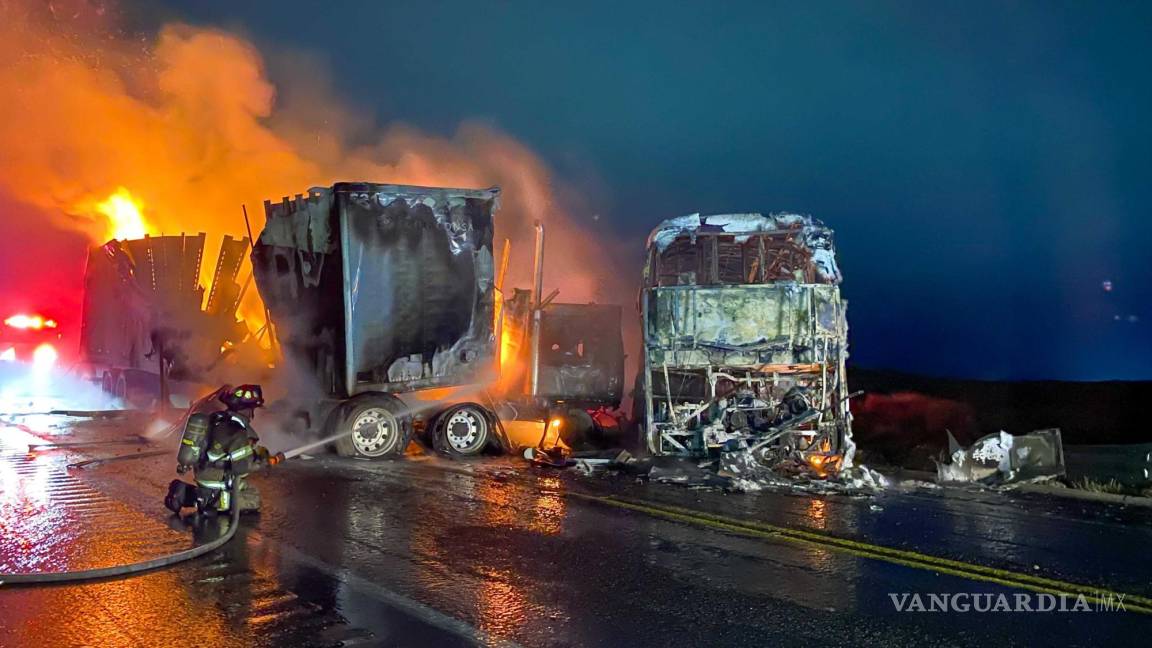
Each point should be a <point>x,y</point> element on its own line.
<point>537,305</point>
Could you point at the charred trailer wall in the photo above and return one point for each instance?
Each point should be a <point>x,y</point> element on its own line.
<point>116,320</point>
<point>142,297</point>
<point>377,287</point>
<point>296,265</point>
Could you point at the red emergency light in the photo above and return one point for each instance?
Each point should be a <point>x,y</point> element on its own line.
<point>30,322</point>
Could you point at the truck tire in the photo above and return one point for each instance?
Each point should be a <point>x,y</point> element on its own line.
<point>142,389</point>
<point>463,430</point>
<point>374,426</point>
<point>120,389</point>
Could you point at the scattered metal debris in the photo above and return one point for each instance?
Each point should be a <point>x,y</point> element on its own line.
<point>759,469</point>
<point>685,472</point>
<point>591,463</point>
<point>1002,458</point>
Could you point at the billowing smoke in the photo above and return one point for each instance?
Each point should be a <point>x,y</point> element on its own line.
<point>187,122</point>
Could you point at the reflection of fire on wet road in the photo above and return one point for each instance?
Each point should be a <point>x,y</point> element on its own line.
<point>495,550</point>
<point>34,534</point>
<point>497,519</point>
<point>503,607</point>
<point>52,521</point>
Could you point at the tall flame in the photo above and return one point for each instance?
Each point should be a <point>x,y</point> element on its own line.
<point>125,217</point>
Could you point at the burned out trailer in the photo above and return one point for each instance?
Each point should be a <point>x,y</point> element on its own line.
<point>745,339</point>
<point>145,316</point>
<point>384,307</point>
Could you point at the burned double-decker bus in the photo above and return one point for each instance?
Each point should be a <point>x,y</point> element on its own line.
<point>745,339</point>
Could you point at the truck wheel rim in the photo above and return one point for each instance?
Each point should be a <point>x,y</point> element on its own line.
<point>466,431</point>
<point>374,431</point>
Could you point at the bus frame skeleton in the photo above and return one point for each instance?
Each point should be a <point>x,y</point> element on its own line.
<point>744,329</point>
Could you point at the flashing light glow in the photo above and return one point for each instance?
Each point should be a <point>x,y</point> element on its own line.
<point>33,322</point>
<point>44,356</point>
<point>125,220</point>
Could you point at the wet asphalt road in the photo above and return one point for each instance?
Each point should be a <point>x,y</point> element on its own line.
<point>429,552</point>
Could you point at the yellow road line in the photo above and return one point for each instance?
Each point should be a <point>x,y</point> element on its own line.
<point>971,571</point>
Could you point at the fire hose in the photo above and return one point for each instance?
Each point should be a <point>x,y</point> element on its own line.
<point>116,571</point>
<point>131,569</point>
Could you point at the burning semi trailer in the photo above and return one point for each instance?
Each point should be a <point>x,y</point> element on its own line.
<point>389,309</point>
<point>146,321</point>
<point>377,291</point>
<point>745,341</point>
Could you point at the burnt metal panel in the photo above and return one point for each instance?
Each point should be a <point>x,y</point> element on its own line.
<point>582,353</point>
<point>376,287</point>
<point>225,292</point>
<point>748,325</point>
<point>190,260</point>
<point>115,308</point>
<point>141,297</point>
<point>418,277</point>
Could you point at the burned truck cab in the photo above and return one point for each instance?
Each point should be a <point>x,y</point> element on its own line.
<point>581,355</point>
<point>745,338</point>
<point>567,370</point>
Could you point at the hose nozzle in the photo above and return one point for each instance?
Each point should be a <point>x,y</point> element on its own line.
<point>277,458</point>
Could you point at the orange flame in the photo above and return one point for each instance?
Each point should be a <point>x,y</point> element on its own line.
<point>125,217</point>
<point>826,463</point>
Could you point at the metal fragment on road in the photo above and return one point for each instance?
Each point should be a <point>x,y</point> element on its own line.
<point>1002,458</point>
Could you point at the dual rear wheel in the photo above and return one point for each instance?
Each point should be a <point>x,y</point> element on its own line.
<point>374,426</point>
<point>462,430</point>
<point>378,426</point>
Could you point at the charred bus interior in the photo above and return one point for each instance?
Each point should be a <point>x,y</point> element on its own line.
<point>745,339</point>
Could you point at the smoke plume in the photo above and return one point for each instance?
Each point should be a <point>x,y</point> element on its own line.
<point>188,122</point>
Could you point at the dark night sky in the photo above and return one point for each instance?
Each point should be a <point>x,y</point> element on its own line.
<point>986,165</point>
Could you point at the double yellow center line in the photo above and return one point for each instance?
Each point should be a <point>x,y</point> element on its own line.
<point>1092,594</point>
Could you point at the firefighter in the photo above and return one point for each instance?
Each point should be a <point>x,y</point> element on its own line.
<point>220,449</point>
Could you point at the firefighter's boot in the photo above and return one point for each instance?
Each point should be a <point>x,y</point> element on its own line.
<point>180,495</point>
<point>248,499</point>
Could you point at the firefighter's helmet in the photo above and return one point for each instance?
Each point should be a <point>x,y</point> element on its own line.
<point>242,397</point>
